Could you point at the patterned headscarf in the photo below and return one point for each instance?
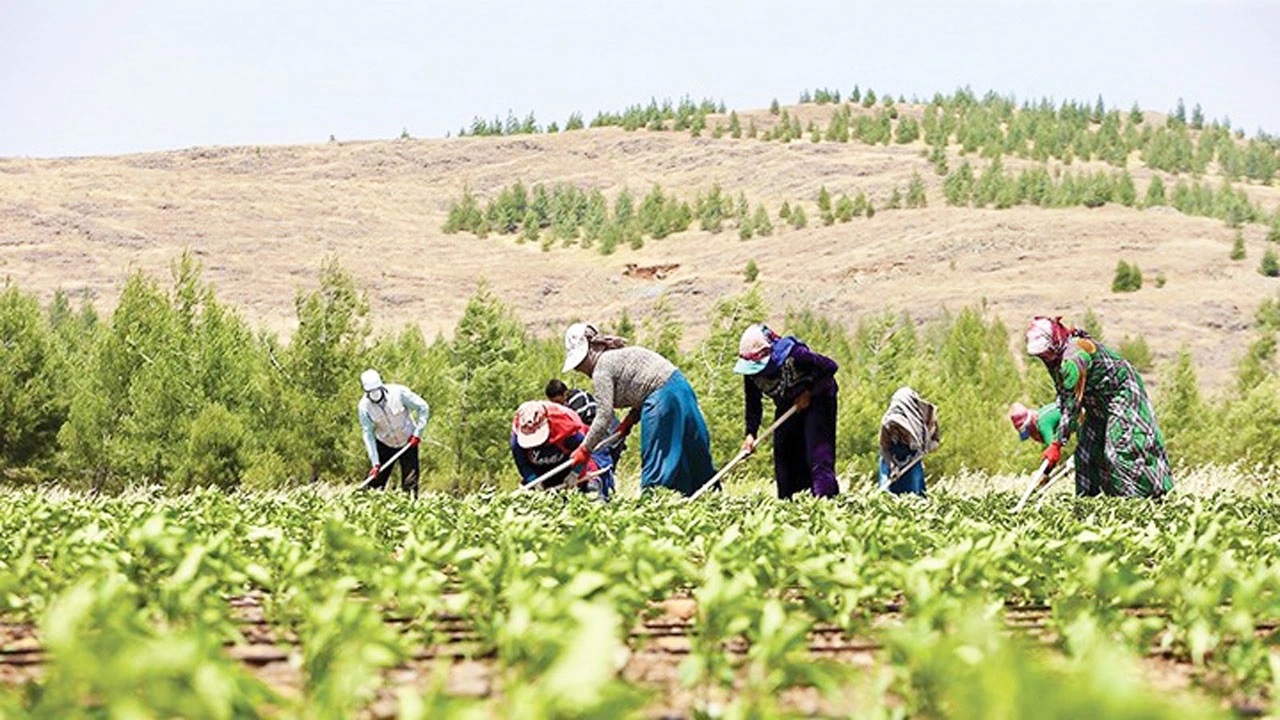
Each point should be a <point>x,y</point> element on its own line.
<point>1047,337</point>
<point>1022,418</point>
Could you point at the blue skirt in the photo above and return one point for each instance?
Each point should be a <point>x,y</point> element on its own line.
<point>675,448</point>
<point>912,481</point>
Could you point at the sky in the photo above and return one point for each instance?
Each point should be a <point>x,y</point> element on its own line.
<point>104,77</point>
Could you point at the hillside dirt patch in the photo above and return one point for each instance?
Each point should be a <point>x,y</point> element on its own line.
<point>261,219</point>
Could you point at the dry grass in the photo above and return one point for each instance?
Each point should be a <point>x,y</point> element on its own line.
<point>261,219</point>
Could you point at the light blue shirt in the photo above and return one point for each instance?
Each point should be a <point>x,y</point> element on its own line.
<point>391,421</point>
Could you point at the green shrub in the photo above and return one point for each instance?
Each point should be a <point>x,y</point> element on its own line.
<point>1270,265</point>
<point>752,271</point>
<point>1237,247</point>
<point>215,453</point>
<point>1137,352</point>
<point>760,221</point>
<point>915,192</point>
<point>1128,278</point>
<point>1267,316</point>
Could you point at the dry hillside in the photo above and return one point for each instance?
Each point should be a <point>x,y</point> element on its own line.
<point>261,219</point>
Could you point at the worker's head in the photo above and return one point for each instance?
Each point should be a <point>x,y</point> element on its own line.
<point>577,342</point>
<point>557,391</point>
<point>530,424</point>
<point>1023,419</point>
<point>754,349</point>
<point>1047,337</point>
<point>371,381</point>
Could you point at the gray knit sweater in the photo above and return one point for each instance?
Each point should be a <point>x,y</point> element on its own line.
<point>623,378</point>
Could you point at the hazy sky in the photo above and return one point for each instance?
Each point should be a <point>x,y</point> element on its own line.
<point>83,77</point>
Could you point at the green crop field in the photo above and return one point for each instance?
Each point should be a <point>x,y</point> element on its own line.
<point>326,604</point>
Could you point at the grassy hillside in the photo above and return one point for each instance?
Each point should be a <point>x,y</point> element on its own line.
<point>262,219</point>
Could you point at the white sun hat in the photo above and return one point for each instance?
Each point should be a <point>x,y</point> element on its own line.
<point>370,380</point>
<point>531,425</point>
<point>577,340</point>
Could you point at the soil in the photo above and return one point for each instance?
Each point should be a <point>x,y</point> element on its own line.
<point>656,648</point>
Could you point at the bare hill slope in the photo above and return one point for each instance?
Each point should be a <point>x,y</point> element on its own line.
<point>261,219</point>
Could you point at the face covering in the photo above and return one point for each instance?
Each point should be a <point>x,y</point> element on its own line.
<point>376,395</point>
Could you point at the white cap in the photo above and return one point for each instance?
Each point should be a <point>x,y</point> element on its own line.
<point>370,380</point>
<point>577,340</point>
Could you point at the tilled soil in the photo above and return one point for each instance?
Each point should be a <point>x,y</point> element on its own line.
<point>656,648</point>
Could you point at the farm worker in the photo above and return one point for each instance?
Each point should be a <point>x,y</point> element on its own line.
<point>580,401</point>
<point>544,435</point>
<point>1040,425</point>
<point>908,432</point>
<point>391,417</point>
<point>1120,450</point>
<point>675,449</point>
<point>785,369</point>
<point>583,403</point>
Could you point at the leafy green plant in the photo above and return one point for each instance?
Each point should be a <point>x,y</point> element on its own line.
<point>1269,266</point>
<point>1128,278</point>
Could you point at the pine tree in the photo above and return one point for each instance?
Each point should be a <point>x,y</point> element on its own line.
<point>1237,247</point>
<point>529,229</point>
<point>1270,265</point>
<point>1128,278</point>
<point>915,192</point>
<point>760,221</point>
<point>845,209</point>
<point>1155,192</point>
<point>1123,189</point>
<point>824,206</point>
<point>712,209</point>
<point>625,327</point>
<point>773,107</point>
<point>735,125</point>
<point>1092,324</point>
<point>798,219</point>
<point>595,218</point>
<point>958,187</point>
<point>895,200</point>
<point>1135,114</point>
<point>938,158</point>
<point>624,208</point>
<point>752,271</point>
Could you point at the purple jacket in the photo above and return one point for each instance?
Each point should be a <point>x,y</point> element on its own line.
<point>792,369</point>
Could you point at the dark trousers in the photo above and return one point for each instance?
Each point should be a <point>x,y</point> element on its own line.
<point>408,468</point>
<point>804,449</point>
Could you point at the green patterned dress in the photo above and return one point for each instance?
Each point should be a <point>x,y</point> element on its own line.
<point>1120,450</point>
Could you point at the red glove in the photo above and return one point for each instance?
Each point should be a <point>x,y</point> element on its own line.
<point>413,441</point>
<point>580,456</point>
<point>373,471</point>
<point>1053,453</point>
